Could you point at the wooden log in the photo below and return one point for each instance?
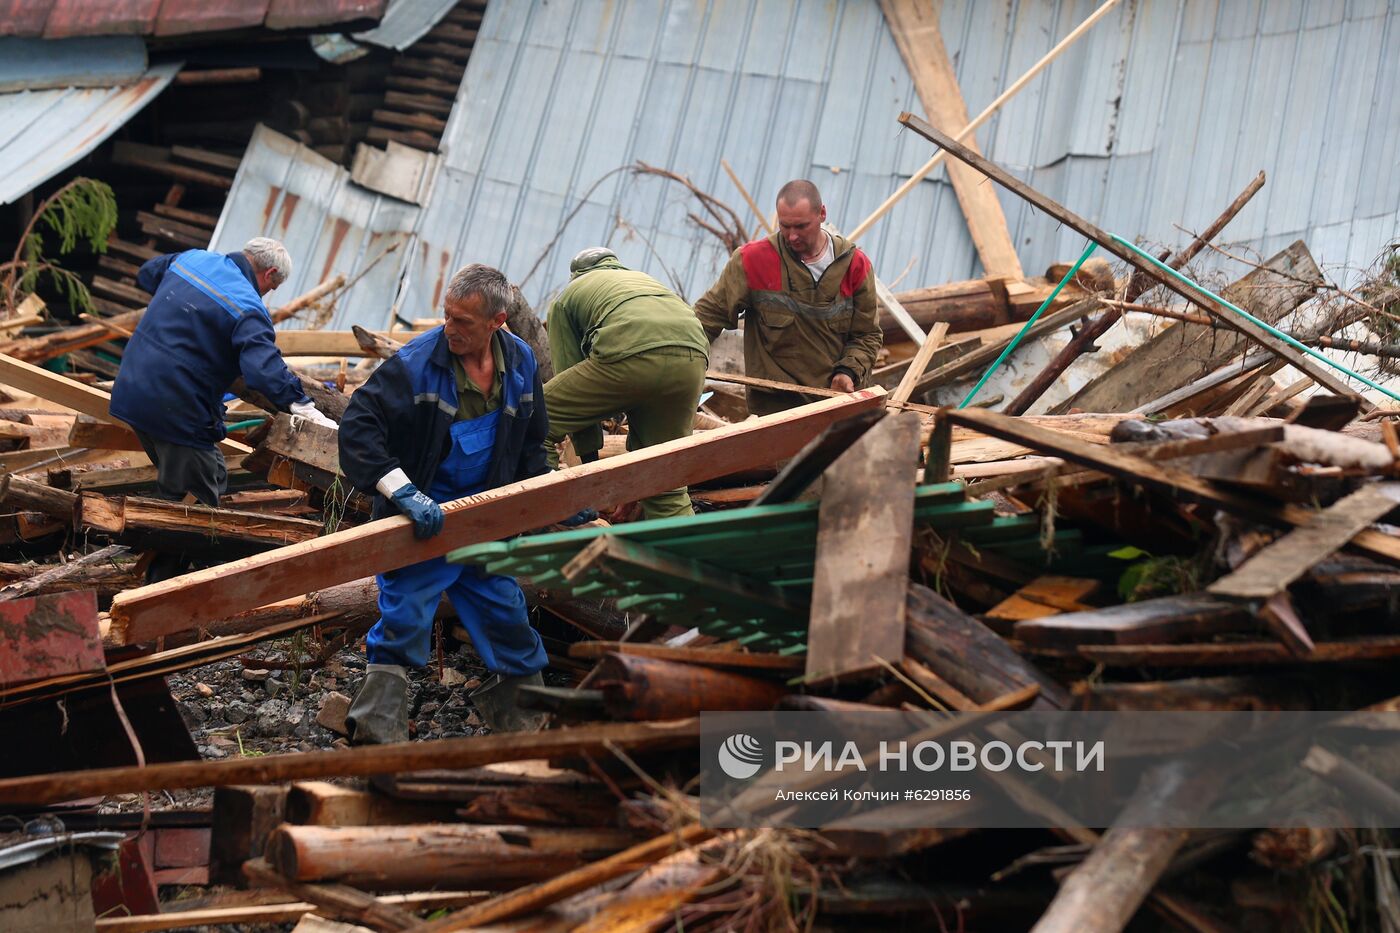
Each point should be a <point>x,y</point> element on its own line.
<point>320,803</point>
<point>376,759</point>
<point>158,521</point>
<point>537,897</point>
<point>643,689</point>
<point>544,805</point>
<point>380,345</point>
<point>27,495</point>
<point>706,657</point>
<point>97,570</point>
<point>243,817</point>
<point>426,854</point>
<point>525,324</point>
<point>1099,326</point>
<point>865,528</point>
<point>328,401</point>
<point>184,602</point>
<point>1380,798</point>
<point>964,306</point>
<point>970,656</point>
<point>1322,375</point>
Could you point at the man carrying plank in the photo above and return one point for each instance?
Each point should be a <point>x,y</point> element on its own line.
<point>457,411</point>
<point>206,325</point>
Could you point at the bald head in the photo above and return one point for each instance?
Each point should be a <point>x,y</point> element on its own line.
<point>800,217</point>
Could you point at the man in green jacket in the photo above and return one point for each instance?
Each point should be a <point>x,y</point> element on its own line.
<point>808,298</point>
<point>623,342</point>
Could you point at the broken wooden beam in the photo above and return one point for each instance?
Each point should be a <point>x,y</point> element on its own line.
<point>1240,653</point>
<point>1149,621</point>
<point>159,522</point>
<point>373,759</point>
<point>184,602</point>
<point>638,688</point>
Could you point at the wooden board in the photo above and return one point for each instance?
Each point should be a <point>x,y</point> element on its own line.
<point>1226,654</point>
<point>1321,374</point>
<point>1185,352</point>
<point>1150,621</point>
<point>82,399</point>
<point>916,30</point>
<point>1273,568</point>
<point>184,602</point>
<point>864,530</point>
<point>332,342</point>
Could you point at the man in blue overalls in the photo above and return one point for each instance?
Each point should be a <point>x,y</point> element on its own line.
<point>457,411</point>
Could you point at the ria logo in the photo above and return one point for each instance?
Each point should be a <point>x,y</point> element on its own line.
<point>740,756</point>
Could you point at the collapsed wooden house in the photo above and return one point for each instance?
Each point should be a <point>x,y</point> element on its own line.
<point>1178,530</point>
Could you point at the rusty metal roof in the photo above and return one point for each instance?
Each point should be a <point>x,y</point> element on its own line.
<point>59,19</point>
<point>42,132</point>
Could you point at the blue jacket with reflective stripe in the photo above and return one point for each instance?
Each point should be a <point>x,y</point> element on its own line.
<point>205,326</point>
<point>401,418</point>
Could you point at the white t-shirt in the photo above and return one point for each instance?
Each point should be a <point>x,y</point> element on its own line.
<point>819,265</point>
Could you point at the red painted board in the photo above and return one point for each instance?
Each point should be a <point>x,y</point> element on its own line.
<point>50,635</point>
<point>182,17</point>
<point>182,847</point>
<point>101,18</point>
<point>24,17</point>
<point>307,14</point>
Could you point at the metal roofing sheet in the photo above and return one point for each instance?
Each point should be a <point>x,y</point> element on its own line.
<point>56,19</point>
<point>329,225</point>
<point>405,22</point>
<point>44,132</point>
<point>1157,118</point>
<point>99,61</point>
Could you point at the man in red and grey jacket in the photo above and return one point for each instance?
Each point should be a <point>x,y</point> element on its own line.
<point>808,301</point>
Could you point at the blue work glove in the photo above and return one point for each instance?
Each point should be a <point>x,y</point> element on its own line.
<point>426,514</point>
<point>583,517</point>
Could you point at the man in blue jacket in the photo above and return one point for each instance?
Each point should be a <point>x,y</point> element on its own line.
<point>204,327</point>
<point>456,411</point>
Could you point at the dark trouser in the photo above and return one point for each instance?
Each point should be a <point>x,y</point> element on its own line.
<point>199,472</point>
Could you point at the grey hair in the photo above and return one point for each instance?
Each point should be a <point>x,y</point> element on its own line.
<point>487,283</point>
<point>267,253</point>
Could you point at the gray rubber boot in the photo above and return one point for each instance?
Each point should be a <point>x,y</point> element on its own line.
<point>497,701</point>
<point>379,715</point>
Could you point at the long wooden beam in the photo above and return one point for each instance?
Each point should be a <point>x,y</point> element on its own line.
<point>72,394</point>
<point>220,592</point>
<point>1172,481</point>
<point>1322,375</point>
<point>332,342</point>
<point>471,752</point>
<point>919,35</point>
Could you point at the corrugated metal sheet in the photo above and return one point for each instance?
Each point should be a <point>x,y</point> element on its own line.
<point>44,132</point>
<point>1157,117</point>
<point>100,61</point>
<point>287,191</point>
<point>405,22</point>
<point>58,19</point>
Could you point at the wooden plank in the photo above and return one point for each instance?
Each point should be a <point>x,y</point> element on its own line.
<point>1184,353</point>
<point>471,752</point>
<point>1044,596</point>
<point>864,530</point>
<point>917,33</point>
<point>711,657</point>
<point>920,362</point>
<point>1166,479</point>
<point>1321,374</point>
<point>183,602</point>
<point>809,463</point>
<point>260,913</point>
<point>1228,654</point>
<point>82,399</point>
<point>332,342</point>
<point>1273,568</point>
<point>1147,622</point>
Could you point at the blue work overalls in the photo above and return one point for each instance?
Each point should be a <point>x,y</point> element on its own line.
<point>491,608</point>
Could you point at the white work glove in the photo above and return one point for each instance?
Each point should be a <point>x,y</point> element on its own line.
<point>308,411</point>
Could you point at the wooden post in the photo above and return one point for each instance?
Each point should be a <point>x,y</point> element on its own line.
<point>648,689</point>
<point>184,602</point>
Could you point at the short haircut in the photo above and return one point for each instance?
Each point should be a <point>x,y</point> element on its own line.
<point>487,283</point>
<point>800,189</point>
<point>267,253</point>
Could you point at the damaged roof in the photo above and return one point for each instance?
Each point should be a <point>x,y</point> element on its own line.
<point>58,19</point>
